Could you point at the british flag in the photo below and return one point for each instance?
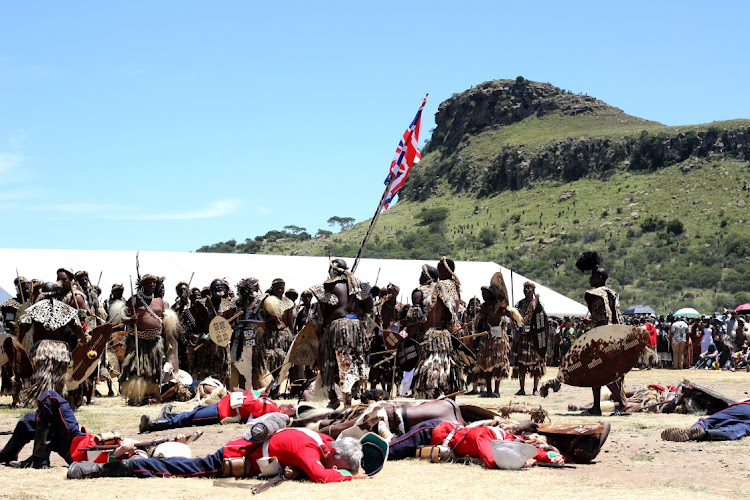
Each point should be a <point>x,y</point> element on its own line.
<point>407,154</point>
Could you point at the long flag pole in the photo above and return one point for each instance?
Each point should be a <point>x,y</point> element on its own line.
<point>407,153</point>
<point>371,226</point>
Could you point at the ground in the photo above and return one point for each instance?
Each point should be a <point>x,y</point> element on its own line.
<point>634,462</point>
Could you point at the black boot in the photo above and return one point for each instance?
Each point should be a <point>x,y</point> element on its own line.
<point>10,451</point>
<point>40,455</point>
<point>39,458</point>
<point>84,470</point>
<point>119,468</point>
<point>148,425</point>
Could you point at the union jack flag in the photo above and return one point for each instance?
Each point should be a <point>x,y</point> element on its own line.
<point>407,154</point>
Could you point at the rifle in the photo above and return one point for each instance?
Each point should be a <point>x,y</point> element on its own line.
<point>140,444</point>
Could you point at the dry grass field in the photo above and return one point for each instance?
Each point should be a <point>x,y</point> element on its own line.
<point>634,462</point>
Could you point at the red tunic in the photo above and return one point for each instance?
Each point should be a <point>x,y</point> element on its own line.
<point>296,447</point>
<point>478,442</point>
<point>253,406</point>
<point>651,334</point>
<point>86,441</point>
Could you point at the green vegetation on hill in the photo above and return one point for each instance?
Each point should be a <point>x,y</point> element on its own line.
<point>529,176</point>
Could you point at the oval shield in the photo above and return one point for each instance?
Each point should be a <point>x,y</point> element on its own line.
<point>220,331</point>
<point>408,354</point>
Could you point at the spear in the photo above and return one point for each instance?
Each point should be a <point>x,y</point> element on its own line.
<point>135,329</point>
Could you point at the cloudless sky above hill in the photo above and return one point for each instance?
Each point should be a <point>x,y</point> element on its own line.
<point>173,124</point>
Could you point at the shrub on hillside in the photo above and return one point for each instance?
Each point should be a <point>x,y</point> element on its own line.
<point>652,224</point>
<point>675,227</point>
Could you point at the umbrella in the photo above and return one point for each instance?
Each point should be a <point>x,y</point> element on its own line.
<point>687,312</point>
<point>633,310</point>
<point>743,307</point>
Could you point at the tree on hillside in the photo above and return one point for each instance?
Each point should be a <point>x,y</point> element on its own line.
<point>323,233</point>
<point>344,223</point>
<point>295,229</point>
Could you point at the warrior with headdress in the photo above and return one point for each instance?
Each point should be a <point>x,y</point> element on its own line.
<point>531,347</point>
<point>604,307</point>
<point>497,318</point>
<point>150,318</point>
<point>278,336</point>
<point>436,374</point>
<point>55,329</point>
<point>210,359</point>
<point>248,348</point>
<point>343,299</point>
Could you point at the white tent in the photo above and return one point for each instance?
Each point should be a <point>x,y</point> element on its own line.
<point>298,272</point>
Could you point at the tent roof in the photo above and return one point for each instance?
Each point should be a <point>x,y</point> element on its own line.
<point>299,272</point>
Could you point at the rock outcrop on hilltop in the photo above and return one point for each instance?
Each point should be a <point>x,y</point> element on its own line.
<point>504,102</point>
<point>493,105</point>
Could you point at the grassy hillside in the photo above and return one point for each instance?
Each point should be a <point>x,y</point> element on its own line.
<point>666,206</point>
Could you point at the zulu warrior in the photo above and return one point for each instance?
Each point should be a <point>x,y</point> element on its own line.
<point>150,320</point>
<point>343,345</point>
<point>435,374</point>
<point>604,307</point>
<point>50,324</point>
<point>496,318</point>
<point>531,347</point>
<point>248,351</point>
<point>210,359</point>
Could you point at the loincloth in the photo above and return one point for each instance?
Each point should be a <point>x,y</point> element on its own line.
<point>435,374</point>
<point>50,360</point>
<point>492,356</point>
<point>342,349</point>
<point>528,358</point>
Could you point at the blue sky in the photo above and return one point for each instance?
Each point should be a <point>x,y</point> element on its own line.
<point>168,125</point>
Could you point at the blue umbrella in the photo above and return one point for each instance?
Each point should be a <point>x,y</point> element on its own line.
<point>639,309</point>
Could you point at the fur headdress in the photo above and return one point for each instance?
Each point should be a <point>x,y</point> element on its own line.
<point>589,261</point>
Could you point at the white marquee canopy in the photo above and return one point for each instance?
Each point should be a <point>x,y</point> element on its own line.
<point>299,273</point>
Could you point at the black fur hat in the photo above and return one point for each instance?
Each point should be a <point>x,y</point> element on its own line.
<point>588,261</point>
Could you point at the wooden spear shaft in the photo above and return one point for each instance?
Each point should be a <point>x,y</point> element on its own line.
<point>135,330</point>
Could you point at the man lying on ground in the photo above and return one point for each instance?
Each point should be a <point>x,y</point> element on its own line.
<point>315,455</point>
<point>388,419</point>
<point>53,427</point>
<point>731,423</point>
<point>232,408</point>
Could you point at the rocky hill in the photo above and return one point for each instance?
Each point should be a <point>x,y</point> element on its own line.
<point>529,175</point>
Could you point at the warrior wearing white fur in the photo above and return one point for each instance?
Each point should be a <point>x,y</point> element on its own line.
<point>55,328</point>
<point>210,359</point>
<point>496,318</point>
<point>436,374</point>
<point>248,348</point>
<point>343,298</point>
<point>150,319</point>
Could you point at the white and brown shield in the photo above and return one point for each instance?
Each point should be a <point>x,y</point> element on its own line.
<point>602,355</point>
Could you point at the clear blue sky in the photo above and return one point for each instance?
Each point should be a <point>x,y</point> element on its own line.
<point>172,124</point>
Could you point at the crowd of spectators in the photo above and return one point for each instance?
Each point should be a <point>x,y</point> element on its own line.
<point>717,342</point>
